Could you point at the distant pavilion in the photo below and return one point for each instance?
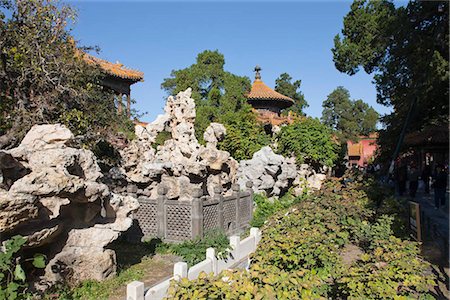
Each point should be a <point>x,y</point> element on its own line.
<point>118,78</point>
<point>267,102</point>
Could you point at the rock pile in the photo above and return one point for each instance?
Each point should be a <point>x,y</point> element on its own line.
<point>273,175</point>
<point>52,195</point>
<point>181,163</point>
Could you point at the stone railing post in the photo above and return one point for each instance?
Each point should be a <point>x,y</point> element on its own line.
<point>160,213</point>
<point>180,270</point>
<point>135,290</point>
<point>236,191</point>
<point>219,197</point>
<point>249,186</point>
<point>211,254</point>
<point>197,213</point>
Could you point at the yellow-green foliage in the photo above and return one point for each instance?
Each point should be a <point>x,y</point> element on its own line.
<point>301,255</point>
<point>161,137</point>
<point>309,141</point>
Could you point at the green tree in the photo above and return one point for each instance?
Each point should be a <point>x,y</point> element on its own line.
<point>285,86</point>
<point>309,141</point>
<point>220,97</point>
<point>43,75</point>
<point>407,50</point>
<point>244,135</point>
<point>349,118</point>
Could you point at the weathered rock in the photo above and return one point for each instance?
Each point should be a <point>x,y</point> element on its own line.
<point>214,134</point>
<point>273,174</point>
<point>57,199</point>
<point>181,163</point>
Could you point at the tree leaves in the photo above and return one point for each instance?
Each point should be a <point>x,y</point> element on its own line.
<point>349,118</point>
<point>19,273</point>
<point>407,49</point>
<point>283,85</point>
<point>39,261</point>
<point>309,141</point>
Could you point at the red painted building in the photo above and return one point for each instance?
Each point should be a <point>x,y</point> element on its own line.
<point>362,153</point>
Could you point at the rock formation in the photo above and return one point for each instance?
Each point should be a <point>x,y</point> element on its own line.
<point>273,174</point>
<point>181,163</point>
<point>52,194</point>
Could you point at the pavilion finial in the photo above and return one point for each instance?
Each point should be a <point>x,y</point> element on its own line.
<point>257,74</point>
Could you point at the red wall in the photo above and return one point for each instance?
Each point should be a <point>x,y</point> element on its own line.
<point>369,147</point>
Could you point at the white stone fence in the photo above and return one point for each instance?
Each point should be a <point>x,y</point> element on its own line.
<point>240,251</point>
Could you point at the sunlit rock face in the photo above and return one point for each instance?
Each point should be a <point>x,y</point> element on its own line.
<point>273,175</point>
<point>52,194</point>
<point>181,163</point>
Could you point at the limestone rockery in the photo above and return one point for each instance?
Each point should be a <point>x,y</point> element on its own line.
<point>181,164</point>
<point>52,195</point>
<point>273,174</point>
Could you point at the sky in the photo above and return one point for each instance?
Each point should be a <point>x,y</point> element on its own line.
<point>157,37</point>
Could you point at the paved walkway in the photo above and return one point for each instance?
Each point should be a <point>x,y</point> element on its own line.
<point>435,221</point>
<point>435,235</point>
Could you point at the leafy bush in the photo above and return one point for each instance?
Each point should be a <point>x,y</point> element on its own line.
<point>76,121</point>
<point>12,274</point>
<point>309,141</point>
<point>266,207</point>
<point>244,135</point>
<point>301,254</point>
<point>161,137</point>
<point>193,251</point>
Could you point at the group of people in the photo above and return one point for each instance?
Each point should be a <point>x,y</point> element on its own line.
<point>437,180</point>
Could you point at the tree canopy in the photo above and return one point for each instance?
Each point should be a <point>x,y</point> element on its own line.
<point>309,141</point>
<point>220,97</point>
<point>285,86</point>
<point>43,77</point>
<point>407,50</point>
<point>350,118</point>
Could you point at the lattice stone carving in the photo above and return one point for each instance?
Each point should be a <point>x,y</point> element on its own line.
<point>179,223</point>
<point>244,209</point>
<point>210,217</point>
<point>146,216</point>
<point>229,214</point>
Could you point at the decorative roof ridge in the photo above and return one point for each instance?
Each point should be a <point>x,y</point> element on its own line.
<point>114,69</point>
<point>260,91</point>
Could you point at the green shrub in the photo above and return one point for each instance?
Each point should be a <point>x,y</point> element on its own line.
<point>309,141</point>
<point>161,137</point>
<point>245,135</point>
<point>76,121</point>
<point>12,274</point>
<point>301,254</point>
<point>193,251</point>
<point>266,207</point>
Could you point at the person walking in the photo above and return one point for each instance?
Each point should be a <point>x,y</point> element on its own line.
<point>426,173</point>
<point>440,186</point>
<point>401,177</point>
<point>413,177</point>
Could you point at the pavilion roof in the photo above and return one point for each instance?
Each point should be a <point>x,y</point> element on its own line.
<point>260,91</point>
<point>115,69</point>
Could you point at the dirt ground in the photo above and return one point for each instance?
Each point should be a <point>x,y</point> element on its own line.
<point>157,269</point>
<point>440,268</point>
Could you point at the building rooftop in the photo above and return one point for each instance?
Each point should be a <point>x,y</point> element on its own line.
<point>260,91</point>
<point>114,69</point>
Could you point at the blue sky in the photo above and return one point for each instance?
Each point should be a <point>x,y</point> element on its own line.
<point>157,37</point>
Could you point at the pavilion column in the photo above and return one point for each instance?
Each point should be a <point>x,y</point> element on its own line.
<point>119,104</point>
<point>128,105</point>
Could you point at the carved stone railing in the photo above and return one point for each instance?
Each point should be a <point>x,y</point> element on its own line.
<point>174,220</point>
